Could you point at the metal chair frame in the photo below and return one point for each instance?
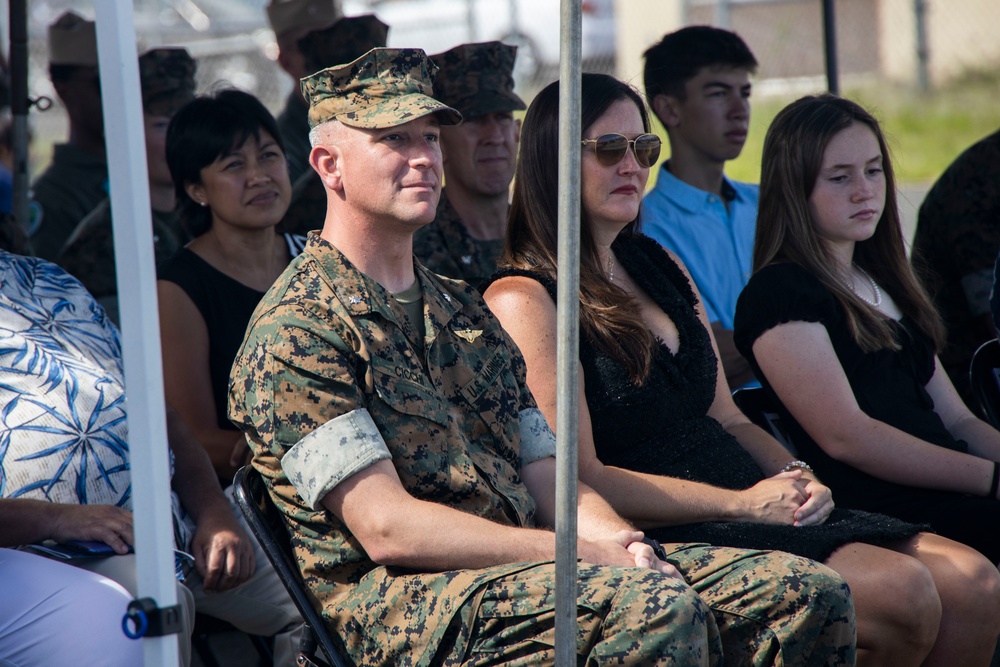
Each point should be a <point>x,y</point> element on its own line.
<point>268,527</point>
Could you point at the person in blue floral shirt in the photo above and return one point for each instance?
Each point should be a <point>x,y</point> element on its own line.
<point>64,445</point>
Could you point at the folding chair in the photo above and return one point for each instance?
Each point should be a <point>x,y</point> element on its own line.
<point>984,376</point>
<point>759,409</point>
<point>206,627</point>
<point>268,527</point>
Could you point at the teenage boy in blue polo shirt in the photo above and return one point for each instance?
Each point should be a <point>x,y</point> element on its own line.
<point>698,84</point>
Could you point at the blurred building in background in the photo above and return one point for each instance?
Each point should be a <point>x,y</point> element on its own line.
<point>925,43</point>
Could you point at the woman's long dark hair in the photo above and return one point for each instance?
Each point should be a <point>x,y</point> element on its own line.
<point>205,129</point>
<point>608,315</point>
<point>786,232</point>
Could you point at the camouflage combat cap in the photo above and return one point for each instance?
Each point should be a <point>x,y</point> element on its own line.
<point>167,79</point>
<point>383,88</point>
<point>292,15</point>
<point>73,41</point>
<point>478,78</point>
<point>345,41</point>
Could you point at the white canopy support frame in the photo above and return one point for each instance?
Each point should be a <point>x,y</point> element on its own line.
<point>133,237</point>
<point>568,340</point>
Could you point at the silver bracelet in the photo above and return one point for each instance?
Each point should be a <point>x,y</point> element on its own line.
<point>802,465</point>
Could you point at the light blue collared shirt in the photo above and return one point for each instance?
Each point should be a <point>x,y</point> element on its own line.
<point>714,241</point>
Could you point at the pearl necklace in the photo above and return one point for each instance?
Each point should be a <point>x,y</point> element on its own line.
<point>875,290</point>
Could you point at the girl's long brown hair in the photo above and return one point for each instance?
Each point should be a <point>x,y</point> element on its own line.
<point>608,315</point>
<point>793,155</point>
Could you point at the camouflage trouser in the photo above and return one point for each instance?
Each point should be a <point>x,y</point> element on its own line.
<point>772,608</point>
<point>625,616</point>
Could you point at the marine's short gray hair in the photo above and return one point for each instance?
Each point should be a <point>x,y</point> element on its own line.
<point>316,133</point>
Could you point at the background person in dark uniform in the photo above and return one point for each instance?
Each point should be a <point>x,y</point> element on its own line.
<point>167,79</point>
<point>954,248</point>
<point>346,40</point>
<point>291,20</point>
<point>466,237</point>
<point>77,179</point>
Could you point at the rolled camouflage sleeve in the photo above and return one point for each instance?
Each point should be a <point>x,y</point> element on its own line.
<point>336,450</point>
<point>295,395</point>
<point>537,439</point>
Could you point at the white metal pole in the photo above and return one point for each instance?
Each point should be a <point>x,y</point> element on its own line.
<point>568,341</point>
<point>133,237</point>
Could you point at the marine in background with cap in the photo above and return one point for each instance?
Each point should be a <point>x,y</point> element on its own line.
<point>77,179</point>
<point>291,20</point>
<point>166,76</point>
<point>365,376</point>
<point>465,239</point>
<point>346,40</point>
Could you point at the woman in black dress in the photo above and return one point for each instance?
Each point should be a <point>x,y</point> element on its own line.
<point>659,435</point>
<point>228,166</point>
<point>840,330</point>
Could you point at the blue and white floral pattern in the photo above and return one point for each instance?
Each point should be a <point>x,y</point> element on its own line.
<point>63,433</point>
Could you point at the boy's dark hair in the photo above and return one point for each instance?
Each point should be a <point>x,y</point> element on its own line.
<point>679,56</point>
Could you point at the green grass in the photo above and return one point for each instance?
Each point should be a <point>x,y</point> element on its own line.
<point>925,132</point>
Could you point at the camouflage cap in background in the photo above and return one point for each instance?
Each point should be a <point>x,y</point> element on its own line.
<point>345,41</point>
<point>73,41</point>
<point>383,88</point>
<point>300,15</point>
<point>167,79</point>
<point>478,78</point>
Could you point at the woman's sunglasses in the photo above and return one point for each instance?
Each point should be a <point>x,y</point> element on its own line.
<point>610,149</point>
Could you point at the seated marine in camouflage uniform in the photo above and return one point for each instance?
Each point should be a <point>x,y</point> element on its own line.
<point>166,76</point>
<point>466,236</point>
<point>388,412</point>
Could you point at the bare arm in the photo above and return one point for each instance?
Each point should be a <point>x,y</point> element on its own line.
<point>737,369</point>
<point>221,547</point>
<point>597,521</point>
<point>24,521</point>
<point>186,377</point>
<point>528,314</point>
<point>802,368</point>
<point>983,439</point>
<point>403,531</point>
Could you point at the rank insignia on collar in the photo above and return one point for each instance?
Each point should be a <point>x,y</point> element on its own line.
<point>355,300</point>
<point>469,335</point>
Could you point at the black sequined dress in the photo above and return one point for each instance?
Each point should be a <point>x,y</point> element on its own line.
<point>663,427</point>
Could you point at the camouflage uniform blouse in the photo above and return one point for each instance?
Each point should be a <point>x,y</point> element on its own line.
<point>89,252</point>
<point>63,195</point>
<point>329,381</point>
<point>446,248</point>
